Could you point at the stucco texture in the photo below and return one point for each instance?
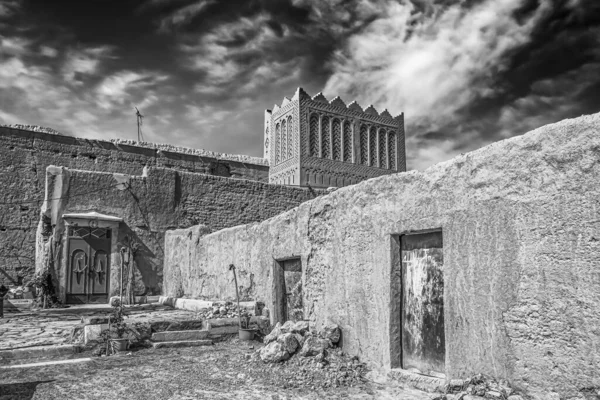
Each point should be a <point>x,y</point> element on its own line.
<point>149,204</point>
<point>25,155</point>
<point>521,229</point>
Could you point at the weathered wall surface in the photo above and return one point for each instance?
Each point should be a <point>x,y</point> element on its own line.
<point>521,230</point>
<point>24,156</point>
<point>160,200</point>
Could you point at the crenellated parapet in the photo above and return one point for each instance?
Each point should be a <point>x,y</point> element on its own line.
<point>350,142</point>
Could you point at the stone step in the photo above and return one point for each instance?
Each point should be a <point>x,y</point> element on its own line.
<point>182,343</point>
<point>177,336</point>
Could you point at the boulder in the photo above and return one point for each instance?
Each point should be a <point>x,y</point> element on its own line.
<point>274,352</point>
<point>275,332</point>
<point>300,327</point>
<point>287,327</point>
<point>314,345</point>
<point>289,342</point>
<point>300,339</point>
<point>332,332</point>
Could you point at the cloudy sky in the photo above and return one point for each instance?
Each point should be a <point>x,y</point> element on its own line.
<point>464,72</point>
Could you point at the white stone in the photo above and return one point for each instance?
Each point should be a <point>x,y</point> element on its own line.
<point>274,352</point>
<point>289,342</point>
<point>332,332</point>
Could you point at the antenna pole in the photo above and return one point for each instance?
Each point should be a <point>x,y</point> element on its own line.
<point>139,117</point>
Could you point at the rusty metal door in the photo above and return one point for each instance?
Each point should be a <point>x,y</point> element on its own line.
<point>423,341</point>
<point>292,271</point>
<point>89,265</point>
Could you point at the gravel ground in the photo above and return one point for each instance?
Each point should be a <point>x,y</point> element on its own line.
<point>228,370</point>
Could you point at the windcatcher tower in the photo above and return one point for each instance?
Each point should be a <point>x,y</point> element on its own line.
<point>310,141</point>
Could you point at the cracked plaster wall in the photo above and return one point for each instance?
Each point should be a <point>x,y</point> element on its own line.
<point>521,228</point>
<point>24,156</point>
<point>150,204</point>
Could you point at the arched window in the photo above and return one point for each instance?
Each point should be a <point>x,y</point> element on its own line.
<point>266,142</point>
<point>314,135</point>
<point>277,143</point>
<point>372,147</point>
<point>291,137</point>
<point>364,145</point>
<point>347,156</point>
<point>382,149</point>
<point>392,149</point>
<point>325,139</point>
<point>336,130</point>
<point>283,140</point>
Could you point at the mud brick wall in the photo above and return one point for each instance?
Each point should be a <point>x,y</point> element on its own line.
<point>520,221</point>
<point>24,156</point>
<point>160,200</point>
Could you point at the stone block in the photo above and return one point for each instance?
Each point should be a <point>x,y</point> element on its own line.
<point>17,304</point>
<point>95,320</point>
<point>184,343</point>
<point>173,336</point>
<point>91,333</point>
<point>160,326</point>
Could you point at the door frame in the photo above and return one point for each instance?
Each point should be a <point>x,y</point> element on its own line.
<point>95,220</point>
<point>397,293</point>
<point>91,253</point>
<point>278,312</point>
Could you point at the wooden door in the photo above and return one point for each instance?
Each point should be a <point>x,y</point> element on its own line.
<point>89,265</point>
<point>423,340</point>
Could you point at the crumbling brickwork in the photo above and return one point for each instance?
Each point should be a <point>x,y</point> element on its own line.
<point>24,156</point>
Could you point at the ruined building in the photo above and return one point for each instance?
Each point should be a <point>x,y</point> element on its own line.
<point>320,143</point>
<point>124,190</point>
<point>486,263</point>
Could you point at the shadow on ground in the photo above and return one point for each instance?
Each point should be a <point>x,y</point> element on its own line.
<point>19,391</point>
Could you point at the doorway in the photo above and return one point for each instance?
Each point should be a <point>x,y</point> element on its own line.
<point>88,273</point>
<point>287,280</point>
<point>417,323</point>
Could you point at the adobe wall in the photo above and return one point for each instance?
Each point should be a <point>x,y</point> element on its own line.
<point>24,156</point>
<point>521,231</point>
<point>160,200</point>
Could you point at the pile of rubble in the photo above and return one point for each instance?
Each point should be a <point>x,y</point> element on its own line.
<point>478,387</point>
<point>312,351</point>
<point>224,310</point>
<point>19,292</point>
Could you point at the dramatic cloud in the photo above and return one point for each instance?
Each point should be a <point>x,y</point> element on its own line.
<point>438,66</point>
<point>464,72</point>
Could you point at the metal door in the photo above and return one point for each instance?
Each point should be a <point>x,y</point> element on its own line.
<point>292,271</point>
<point>89,265</point>
<point>423,340</point>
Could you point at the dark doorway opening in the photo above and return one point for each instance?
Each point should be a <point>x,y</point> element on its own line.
<point>287,281</point>
<point>417,325</point>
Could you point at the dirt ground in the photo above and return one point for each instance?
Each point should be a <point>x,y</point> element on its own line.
<point>228,370</point>
<point>54,326</point>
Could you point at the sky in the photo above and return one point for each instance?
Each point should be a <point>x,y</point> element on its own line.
<point>465,73</point>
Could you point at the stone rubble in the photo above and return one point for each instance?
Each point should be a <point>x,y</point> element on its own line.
<point>477,388</point>
<point>226,310</point>
<point>295,343</point>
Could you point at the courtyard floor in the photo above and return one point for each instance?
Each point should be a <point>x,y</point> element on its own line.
<point>54,326</point>
<point>227,370</point>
